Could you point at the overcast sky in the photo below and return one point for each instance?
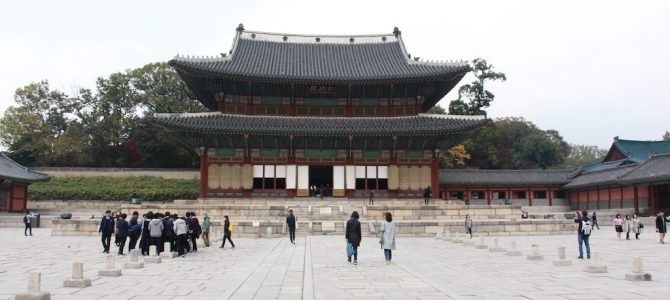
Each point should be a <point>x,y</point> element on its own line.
<point>590,69</point>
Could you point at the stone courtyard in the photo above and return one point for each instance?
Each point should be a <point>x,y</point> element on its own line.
<point>316,268</point>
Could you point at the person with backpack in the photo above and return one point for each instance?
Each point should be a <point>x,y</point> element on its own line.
<point>290,222</point>
<point>618,225</point>
<point>353,236</point>
<point>195,232</point>
<point>387,240</point>
<point>27,219</point>
<point>583,233</point>
<point>227,232</point>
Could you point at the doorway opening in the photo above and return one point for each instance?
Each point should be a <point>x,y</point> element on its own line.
<point>321,177</point>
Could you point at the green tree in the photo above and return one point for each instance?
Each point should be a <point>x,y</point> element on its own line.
<point>581,155</point>
<point>438,110</point>
<point>473,98</point>
<point>666,136</point>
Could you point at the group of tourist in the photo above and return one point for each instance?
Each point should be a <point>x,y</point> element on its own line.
<point>627,225</point>
<point>157,229</point>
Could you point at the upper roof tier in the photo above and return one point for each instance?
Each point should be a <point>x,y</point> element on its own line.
<point>319,58</point>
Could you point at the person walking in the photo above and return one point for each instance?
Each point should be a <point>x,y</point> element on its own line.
<point>106,230</point>
<point>594,220</point>
<point>661,227</point>
<point>353,235</point>
<point>637,226</point>
<point>227,232</point>
<point>468,225</point>
<point>371,201</point>
<point>427,193</point>
<point>583,233</point>
<point>180,230</point>
<point>627,226</point>
<point>156,232</point>
<point>205,229</point>
<point>618,225</point>
<point>123,232</point>
<point>27,221</point>
<point>388,237</point>
<point>290,222</point>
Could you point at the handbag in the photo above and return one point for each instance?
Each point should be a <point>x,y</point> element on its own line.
<point>350,249</point>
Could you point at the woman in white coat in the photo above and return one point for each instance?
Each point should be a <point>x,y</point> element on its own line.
<point>387,240</point>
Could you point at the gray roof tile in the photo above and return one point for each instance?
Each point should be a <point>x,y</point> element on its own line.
<point>216,122</point>
<point>657,168</point>
<point>470,177</point>
<point>11,170</point>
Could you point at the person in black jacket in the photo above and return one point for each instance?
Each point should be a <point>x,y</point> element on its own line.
<point>290,221</point>
<point>27,220</point>
<point>582,237</point>
<point>661,227</point>
<point>133,219</point>
<point>106,229</point>
<point>353,235</point>
<point>168,231</point>
<point>146,237</point>
<point>226,232</point>
<point>427,193</point>
<point>135,232</point>
<point>124,231</point>
<point>195,233</point>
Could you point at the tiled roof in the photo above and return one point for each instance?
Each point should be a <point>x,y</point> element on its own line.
<point>11,170</point>
<point>602,177</point>
<point>456,177</point>
<point>639,151</point>
<point>599,166</point>
<point>331,59</point>
<point>657,168</point>
<point>216,122</point>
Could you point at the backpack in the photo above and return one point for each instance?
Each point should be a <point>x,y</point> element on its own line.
<point>230,227</point>
<point>586,228</point>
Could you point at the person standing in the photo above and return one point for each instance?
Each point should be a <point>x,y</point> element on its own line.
<point>124,231</point>
<point>583,233</point>
<point>353,235</point>
<point>468,225</point>
<point>106,229</point>
<point>227,232</point>
<point>627,226</point>
<point>388,237</point>
<point>180,230</point>
<point>618,225</point>
<point>371,201</point>
<point>135,232</point>
<point>168,231</point>
<point>290,222</point>
<point>196,230</point>
<point>594,220</point>
<point>27,221</point>
<point>134,219</point>
<point>636,226</point>
<point>427,193</point>
<point>661,227</point>
<point>145,241</point>
<point>156,232</point>
<point>205,229</point>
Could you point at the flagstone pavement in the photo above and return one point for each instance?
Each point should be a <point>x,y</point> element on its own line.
<point>316,268</point>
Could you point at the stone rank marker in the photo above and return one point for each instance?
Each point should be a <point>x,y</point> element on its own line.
<point>134,262</point>
<point>34,292</point>
<point>77,280</point>
<point>535,253</point>
<point>110,271</point>
<point>561,260</point>
<point>496,247</point>
<point>167,254</point>
<point>153,256</point>
<point>513,251</point>
<point>638,273</point>
<point>596,266</point>
<point>482,244</point>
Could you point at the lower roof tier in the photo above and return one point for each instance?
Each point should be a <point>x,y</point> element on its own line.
<point>220,123</point>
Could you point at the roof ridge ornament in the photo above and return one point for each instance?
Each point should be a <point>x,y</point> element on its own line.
<point>396,31</point>
<point>240,28</point>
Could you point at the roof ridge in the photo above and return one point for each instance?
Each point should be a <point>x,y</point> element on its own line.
<point>615,168</point>
<point>509,170</point>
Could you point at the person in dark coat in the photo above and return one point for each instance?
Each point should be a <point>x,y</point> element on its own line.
<point>372,195</point>
<point>27,221</point>
<point>106,229</point>
<point>124,231</point>
<point>661,227</point>
<point>197,230</point>
<point>427,193</point>
<point>353,235</point>
<point>226,232</point>
<point>168,231</point>
<point>146,238</point>
<point>290,221</point>
<point>135,232</point>
<point>134,219</point>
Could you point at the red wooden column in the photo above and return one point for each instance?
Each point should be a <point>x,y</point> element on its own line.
<point>488,196</point>
<point>550,195</point>
<point>652,198</point>
<point>435,177</point>
<point>203,173</point>
<point>635,199</point>
<point>529,196</point>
